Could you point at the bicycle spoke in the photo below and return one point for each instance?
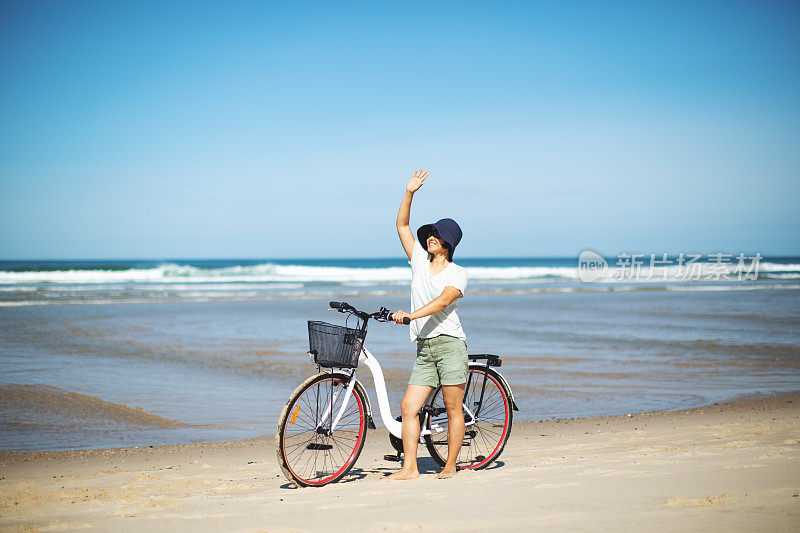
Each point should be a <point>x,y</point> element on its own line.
<point>311,451</point>
<point>486,432</point>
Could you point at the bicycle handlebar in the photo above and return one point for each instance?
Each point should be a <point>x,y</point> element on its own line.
<point>384,315</point>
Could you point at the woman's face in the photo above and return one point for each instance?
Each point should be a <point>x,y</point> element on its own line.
<point>435,243</point>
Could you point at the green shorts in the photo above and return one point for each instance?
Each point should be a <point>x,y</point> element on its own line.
<point>440,360</point>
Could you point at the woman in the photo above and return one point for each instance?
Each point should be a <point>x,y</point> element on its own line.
<point>436,284</point>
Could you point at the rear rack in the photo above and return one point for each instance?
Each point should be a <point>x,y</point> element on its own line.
<point>491,359</point>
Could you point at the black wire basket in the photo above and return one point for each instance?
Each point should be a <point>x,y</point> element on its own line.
<point>334,346</point>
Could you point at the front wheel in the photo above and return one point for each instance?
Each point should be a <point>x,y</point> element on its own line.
<point>487,414</point>
<point>309,452</point>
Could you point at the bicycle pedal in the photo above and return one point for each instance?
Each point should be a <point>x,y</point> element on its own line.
<point>371,423</point>
<point>392,457</point>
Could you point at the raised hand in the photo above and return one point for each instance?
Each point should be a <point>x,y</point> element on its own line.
<point>416,181</point>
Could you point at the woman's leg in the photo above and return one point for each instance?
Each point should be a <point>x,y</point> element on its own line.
<point>413,400</point>
<point>453,401</point>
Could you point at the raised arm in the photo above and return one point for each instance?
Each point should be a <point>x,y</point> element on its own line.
<point>404,214</point>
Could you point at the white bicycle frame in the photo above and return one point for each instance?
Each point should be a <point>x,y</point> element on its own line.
<point>395,427</point>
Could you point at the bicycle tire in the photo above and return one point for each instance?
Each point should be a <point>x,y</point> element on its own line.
<point>308,457</point>
<point>485,439</point>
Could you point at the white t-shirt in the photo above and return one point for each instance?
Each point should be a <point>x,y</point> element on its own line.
<point>425,287</point>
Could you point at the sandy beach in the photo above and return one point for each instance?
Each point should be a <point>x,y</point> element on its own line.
<point>731,466</point>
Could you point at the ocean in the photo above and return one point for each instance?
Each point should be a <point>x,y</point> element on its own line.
<point>98,354</point>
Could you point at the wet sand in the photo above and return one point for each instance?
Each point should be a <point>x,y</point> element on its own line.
<point>727,466</point>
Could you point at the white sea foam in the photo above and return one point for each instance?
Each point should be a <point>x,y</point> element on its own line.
<point>181,274</point>
<point>181,277</point>
<point>771,267</point>
<point>172,287</point>
<point>788,275</point>
<point>203,296</point>
<point>697,272</point>
<point>266,273</point>
<point>737,287</point>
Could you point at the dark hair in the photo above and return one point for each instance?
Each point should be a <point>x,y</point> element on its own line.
<point>449,250</point>
<point>446,246</point>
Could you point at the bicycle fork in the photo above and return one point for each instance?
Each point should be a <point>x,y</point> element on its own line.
<point>329,407</point>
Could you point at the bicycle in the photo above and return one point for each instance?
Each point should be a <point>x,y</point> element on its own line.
<point>323,426</point>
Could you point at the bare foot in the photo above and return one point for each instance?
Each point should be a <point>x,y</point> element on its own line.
<point>404,474</point>
<point>447,472</point>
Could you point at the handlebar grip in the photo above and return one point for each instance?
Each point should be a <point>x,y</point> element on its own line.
<point>406,320</point>
<point>335,305</point>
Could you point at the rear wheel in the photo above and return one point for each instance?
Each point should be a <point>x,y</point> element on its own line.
<point>488,406</point>
<point>310,454</point>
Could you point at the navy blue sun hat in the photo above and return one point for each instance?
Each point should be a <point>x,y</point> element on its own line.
<point>449,231</point>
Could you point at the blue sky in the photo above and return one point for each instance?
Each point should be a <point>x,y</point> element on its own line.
<point>271,130</point>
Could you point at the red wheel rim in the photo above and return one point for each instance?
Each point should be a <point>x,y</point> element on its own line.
<point>350,458</point>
